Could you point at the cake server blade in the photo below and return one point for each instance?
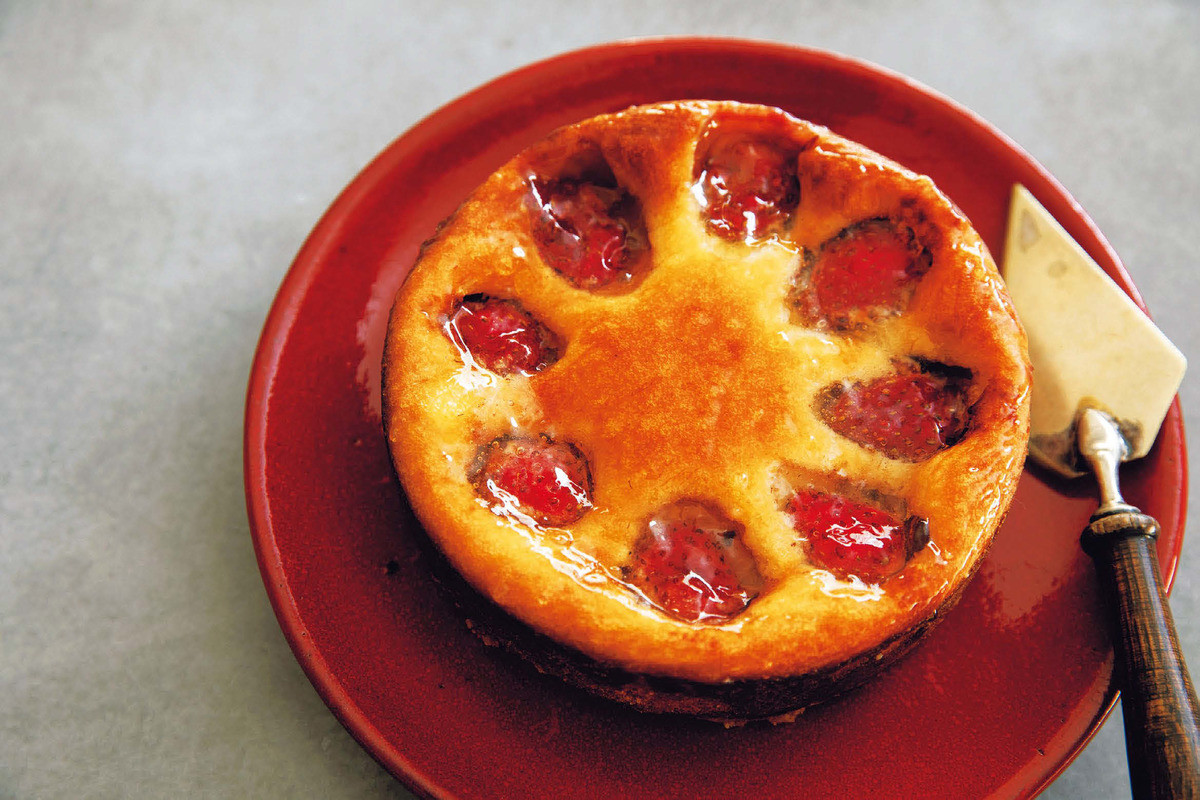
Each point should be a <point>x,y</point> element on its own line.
<point>1103,379</point>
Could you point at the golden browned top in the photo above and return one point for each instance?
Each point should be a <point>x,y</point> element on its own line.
<point>694,382</point>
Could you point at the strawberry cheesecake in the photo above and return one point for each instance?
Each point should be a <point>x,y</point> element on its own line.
<point>705,408</point>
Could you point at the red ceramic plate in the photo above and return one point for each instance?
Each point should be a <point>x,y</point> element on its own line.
<point>995,703</point>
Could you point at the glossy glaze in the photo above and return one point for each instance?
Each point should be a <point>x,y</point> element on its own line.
<point>589,234</point>
<point>534,480</point>
<point>499,336</point>
<point>453,718</point>
<point>867,272</point>
<point>906,416</point>
<point>691,562</point>
<point>853,538</point>
<point>746,188</point>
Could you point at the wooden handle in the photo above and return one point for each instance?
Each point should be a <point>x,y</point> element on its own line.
<point>1162,717</point>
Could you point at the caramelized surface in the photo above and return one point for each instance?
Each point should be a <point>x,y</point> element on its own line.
<point>695,382</point>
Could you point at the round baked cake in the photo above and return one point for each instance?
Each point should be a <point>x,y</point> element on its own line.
<point>712,410</point>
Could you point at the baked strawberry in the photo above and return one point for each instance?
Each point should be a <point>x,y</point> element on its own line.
<point>692,565</point>
<point>540,479</point>
<point>501,336</point>
<point>908,416</point>
<point>748,188</point>
<point>589,234</point>
<point>866,272</point>
<point>848,537</point>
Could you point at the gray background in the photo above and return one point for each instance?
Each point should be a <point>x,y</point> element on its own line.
<point>161,163</point>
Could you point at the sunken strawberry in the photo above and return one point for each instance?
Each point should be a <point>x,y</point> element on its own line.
<point>691,564</point>
<point>748,188</point>
<point>866,272</point>
<point>909,416</point>
<point>848,537</point>
<point>540,479</point>
<point>501,336</point>
<point>589,234</point>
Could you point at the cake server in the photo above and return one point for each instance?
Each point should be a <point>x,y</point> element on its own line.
<point>1103,379</point>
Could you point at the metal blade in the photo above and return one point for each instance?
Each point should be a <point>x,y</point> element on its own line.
<point>1090,344</point>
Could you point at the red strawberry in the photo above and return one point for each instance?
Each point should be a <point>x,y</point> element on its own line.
<point>587,233</point>
<point>908,416</point>
<point>501,336</point>
<point>867,271</point>
<point>693,567</point>
<point>848,537</point>
<point>542,479</point>
<point>749,188</point>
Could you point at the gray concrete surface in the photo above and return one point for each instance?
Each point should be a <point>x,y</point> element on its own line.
<point>160,164</point>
